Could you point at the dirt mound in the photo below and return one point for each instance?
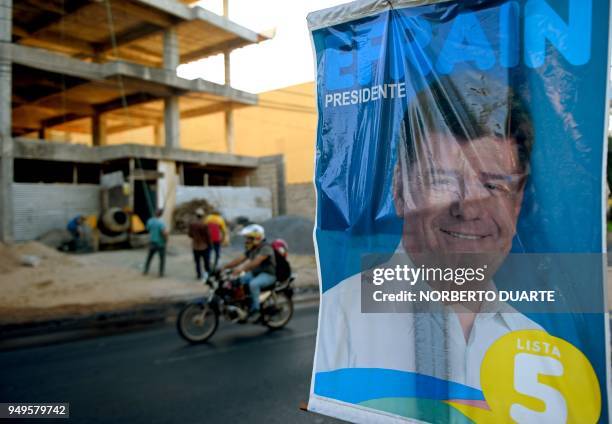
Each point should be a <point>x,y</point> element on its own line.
<point>185,213</point>
<point>295,230</point>
<point>61,285</point>
<point>11,257</point>
<point>9,261</point>
<point>44,252</point>
<point>55,238</point>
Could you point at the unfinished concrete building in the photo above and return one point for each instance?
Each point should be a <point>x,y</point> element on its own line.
<point>99,67</point>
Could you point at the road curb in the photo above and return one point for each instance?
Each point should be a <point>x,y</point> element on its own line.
<point>17,335</point>
<point>99,323</point>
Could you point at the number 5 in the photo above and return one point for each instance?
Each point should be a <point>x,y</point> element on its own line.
<point>527,368</point>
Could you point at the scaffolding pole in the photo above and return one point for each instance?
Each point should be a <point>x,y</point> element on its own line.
<point>6,140</point>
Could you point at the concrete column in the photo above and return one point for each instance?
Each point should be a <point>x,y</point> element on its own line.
<point>227,67</point>
<point>181,173</point>
<point>229,112</point>
<point>171,50</point>
<point>166,190</point>
<point>226,8</point>
<point>172,113</point>
<point>158,130</point>
<point>172,123</point>
<point>98,130</point>
<point>229,130</point>
<point>6,140</point>
<point>132,183</point>
<point>42,133</point>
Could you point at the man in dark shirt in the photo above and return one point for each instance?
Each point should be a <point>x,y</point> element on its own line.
<point>258,264</point>
<point>200,241</point>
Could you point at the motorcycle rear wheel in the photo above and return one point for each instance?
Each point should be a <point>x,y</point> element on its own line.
<point>197,323</point>
<point>283,304</point>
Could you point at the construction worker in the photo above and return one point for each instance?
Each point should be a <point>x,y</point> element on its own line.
<point>75,228</point>
<point>218,234</point>
<point>158,238</point>
<point>200,243</point>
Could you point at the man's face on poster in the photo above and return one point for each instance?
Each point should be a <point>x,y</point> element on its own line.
<point>459,197</point>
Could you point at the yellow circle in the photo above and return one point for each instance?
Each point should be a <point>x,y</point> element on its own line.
<point>532,377</point>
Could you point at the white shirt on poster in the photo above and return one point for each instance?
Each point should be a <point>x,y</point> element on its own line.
<point>426,343</point>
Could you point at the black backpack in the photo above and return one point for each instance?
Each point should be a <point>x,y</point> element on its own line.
<point>283,269</point>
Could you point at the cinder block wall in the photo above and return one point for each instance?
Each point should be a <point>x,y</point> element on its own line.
<point>301,200</point>
<point>38,208</point>
<point>271,174</point>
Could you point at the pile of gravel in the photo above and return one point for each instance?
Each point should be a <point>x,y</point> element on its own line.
<point>295,230</point>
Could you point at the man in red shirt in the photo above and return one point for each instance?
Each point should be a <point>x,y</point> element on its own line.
<point>218,234</point>
<point>200,241</point>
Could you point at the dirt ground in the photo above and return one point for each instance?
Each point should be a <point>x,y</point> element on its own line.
<point>64,285</point>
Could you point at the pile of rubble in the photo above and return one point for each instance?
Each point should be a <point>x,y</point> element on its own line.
<point>185,213</point>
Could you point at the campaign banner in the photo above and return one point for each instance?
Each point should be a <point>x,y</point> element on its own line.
<point>461,208</point>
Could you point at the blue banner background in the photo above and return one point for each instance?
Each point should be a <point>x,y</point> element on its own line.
<point>356,144</point>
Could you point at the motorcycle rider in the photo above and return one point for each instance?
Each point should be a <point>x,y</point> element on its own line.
<point>256,267</point>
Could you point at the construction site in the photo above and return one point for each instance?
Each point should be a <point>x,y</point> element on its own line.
<point>77,77</point>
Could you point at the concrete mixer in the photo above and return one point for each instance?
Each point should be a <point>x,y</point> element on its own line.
<point>116,226</point>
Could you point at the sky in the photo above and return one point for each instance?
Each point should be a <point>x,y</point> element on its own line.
<point>285,60</point>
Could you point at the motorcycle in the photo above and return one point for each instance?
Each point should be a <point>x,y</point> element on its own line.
<point>228,298</point>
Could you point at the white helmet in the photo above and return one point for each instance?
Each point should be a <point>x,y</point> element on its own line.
<point>254,231</point>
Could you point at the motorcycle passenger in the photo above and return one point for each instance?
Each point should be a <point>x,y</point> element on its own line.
<point>258,264</point>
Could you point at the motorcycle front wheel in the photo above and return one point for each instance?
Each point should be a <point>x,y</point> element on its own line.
<point>197,323</point>
<point>278,310</point>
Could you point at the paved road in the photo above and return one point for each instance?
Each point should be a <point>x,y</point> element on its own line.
<point>244,375</point>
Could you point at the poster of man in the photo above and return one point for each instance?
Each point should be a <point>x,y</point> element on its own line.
<point>451,137</point>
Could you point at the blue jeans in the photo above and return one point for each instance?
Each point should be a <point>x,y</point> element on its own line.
<point>256,283</point>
